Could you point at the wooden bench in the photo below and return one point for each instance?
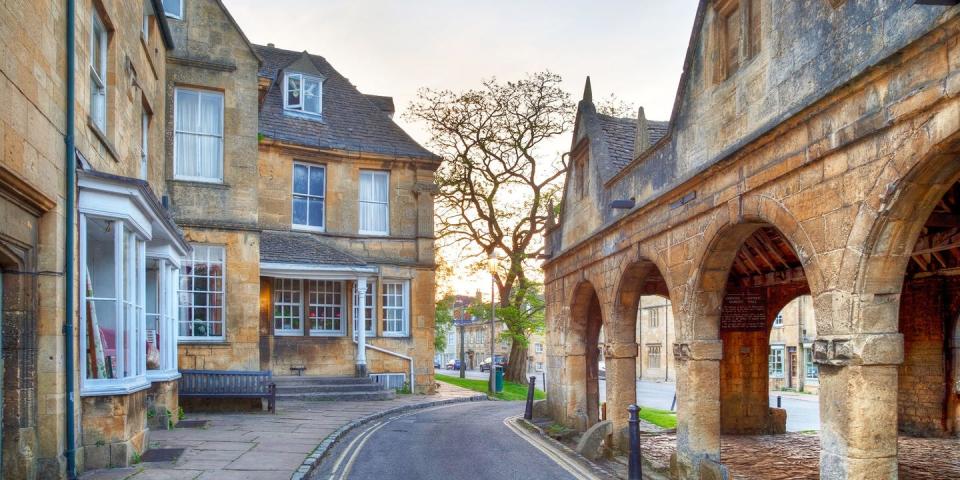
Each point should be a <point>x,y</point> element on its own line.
<point>228,384</point>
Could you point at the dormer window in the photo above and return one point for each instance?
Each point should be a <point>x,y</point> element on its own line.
<point>302,93</point>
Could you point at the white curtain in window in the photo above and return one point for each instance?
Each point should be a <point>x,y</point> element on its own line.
<point>374,189</point>
<point>199,135</point>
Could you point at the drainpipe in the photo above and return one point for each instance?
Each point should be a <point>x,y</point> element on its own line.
<point>68,252</point>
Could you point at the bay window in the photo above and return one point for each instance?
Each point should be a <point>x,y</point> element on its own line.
<point>287,304</point>
<point>98,73</point>
<point>112,317</point>
<point>162,277</point>
<point>396,300</point>
<point>370,308</point>
<point>325,307</point>
<point>198,135</point>
<point>374,202</point>
<point>303,93</point>
<point>202,294</point>
<point>309,185</point>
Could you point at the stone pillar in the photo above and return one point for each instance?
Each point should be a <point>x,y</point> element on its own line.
<point>858,404</point>
<point>698,404</point>
<point>575,374</point>
<point>362,328</point>
<point>621,361</point>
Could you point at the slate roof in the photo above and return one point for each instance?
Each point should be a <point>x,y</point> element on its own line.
<point>620,135</point>
<point>303,248</point>
<point>350,120</point>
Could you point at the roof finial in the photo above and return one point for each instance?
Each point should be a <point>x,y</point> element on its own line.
<point>587,91</point>
<point>642,140</point>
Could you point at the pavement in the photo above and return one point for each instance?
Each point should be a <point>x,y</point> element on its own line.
<point>469,440</point>
<point>259,445</point>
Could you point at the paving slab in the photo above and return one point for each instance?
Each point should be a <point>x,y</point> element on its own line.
<point>260,445</point>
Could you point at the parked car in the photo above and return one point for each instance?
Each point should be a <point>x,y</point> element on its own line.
<point>501,361</point>
<point>453,364</point>
<point>436,364</point>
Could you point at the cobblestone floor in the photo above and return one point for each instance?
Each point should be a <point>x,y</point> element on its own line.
<point>795,456</point>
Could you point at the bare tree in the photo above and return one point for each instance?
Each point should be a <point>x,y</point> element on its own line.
<point>498,182</point>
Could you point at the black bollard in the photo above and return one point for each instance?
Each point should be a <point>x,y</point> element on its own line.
<point>635,469</point>
<point>778,401</point>
<point>528,413</point>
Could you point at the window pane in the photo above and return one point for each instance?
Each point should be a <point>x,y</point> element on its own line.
<point>101,255</point>
<point>201,303</point>
<point>173,8</point>
<point>311,95</point>
<point>187,117</point>
<point>381,181</point>
<point>293,90</point>
<point>316,181</point>
<point>211,113</point>
<point>300,179</point>
<point>316,212</point>
<point>210,155</point>
<point>299,211</point>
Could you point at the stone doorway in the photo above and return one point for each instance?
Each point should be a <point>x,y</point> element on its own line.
<point>586,320</point>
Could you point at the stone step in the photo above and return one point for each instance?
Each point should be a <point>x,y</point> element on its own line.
<point>338,396</point>
<point>308,380</point>
<point>319,388</point>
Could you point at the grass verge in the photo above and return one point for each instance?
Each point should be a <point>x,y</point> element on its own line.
<point>660,418</point>
<point>511,390</point>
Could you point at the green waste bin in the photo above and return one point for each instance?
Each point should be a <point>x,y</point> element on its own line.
<point>499,379</point>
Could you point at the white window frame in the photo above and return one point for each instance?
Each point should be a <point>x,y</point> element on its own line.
<point>653,317</point>
<point>98,73</point>
<point>308,196</point>
<point>301,107</point>
<point>404,309</point>
<point>654,351</point>
<point>144,144</point>
<point>311,304</point>
<point>778,320</point>
<point>371,307</point>
<point>185,294</point>
<point>178,15</point>
<point>168,279</point>
<point>539,366</point>
<point>296,291</point>
<point>776,358</point>
<point>809,365</point>
<point>176,130</point>
<point>373,174</point>
<point>538,347</point>
<point>128,301</point>
<point>145,28</point>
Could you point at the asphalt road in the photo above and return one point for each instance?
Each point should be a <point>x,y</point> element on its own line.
<point>458,441</point>
<point>803,411</point>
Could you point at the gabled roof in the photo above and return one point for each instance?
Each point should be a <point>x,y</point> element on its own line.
<point>349,120</point>
<point>620,135</point>
<point>301,248</point>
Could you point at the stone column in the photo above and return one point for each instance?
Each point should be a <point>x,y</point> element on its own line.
<point>575,374</point>
<point>698,405</point>
<point>858,404</point>
<point>362,328</point>
<point>621,361</point>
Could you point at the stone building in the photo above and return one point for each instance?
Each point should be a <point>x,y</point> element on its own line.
<point>170,137</point>
<point>812,150</point>
<point>656,332</point>
<point>122,271</point>
<point>791,365</point>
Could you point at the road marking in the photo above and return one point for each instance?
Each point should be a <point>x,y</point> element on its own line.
<point>352,452</point>
<point>572,467</point>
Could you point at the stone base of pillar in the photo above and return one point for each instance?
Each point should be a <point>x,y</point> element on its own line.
<point>362,371</point>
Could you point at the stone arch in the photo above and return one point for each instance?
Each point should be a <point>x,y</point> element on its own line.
<point>582,355</point>
<point>754,225</point>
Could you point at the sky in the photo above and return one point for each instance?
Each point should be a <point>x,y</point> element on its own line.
<point>631,48</point>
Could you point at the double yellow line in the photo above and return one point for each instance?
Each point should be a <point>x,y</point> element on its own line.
<point>552,452</point>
